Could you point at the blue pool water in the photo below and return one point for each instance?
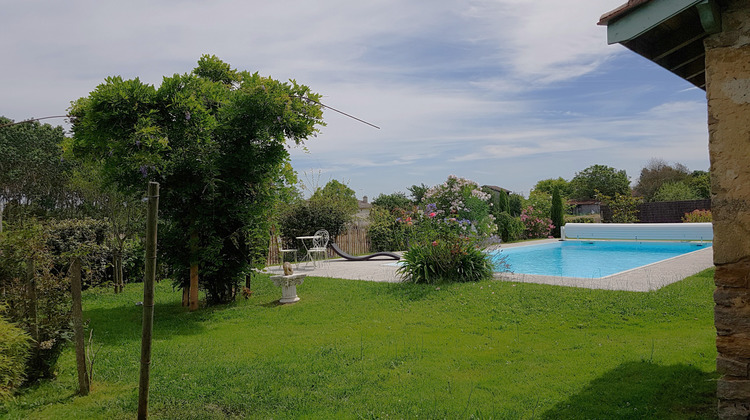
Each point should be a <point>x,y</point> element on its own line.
<point>590,259</point>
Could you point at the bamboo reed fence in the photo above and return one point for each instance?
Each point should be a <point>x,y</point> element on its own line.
<point>353,241</point>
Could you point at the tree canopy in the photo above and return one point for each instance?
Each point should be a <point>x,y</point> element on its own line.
<point>32,171</point>
<point>549,185</point>
<point>656,173</point>
<point>215,139</point>
<point>604,179</point>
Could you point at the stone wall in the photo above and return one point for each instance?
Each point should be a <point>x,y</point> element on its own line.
<point>728,94</point>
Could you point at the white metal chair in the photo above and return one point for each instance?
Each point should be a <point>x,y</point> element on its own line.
<point>320,245</point>
<point>283,251</point>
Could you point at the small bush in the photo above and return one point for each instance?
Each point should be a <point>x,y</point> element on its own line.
<point>14,351</point>
<point>698,216</point>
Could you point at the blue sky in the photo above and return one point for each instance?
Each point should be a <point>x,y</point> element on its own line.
<point>504,92</point>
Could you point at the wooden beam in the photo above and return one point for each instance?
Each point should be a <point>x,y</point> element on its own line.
<point>645,18</point>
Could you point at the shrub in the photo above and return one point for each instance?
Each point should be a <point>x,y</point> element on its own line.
<point>556,212</point>
<point>306,217</point>
<point>456,260</point>
<point>535,223</point>
<point>386,231</point>
<point>698,216</point>
<point>44,314</point>
<point>509,228</point>
<point>675,191</point>
<point>582,219</point>
<point>14,351</point>
<point>83,237</point>
<point>624,207</point>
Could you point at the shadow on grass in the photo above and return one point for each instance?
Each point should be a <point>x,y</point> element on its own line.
<point>410,292</point>
<point>124,323</point>
<point>643,390</point>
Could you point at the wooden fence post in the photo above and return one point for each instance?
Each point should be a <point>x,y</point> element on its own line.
<point>84,384</point>
<point>148,299</point>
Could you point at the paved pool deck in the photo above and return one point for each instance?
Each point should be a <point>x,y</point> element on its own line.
<point>643,279</point>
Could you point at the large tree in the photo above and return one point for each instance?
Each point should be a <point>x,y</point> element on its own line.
<point>604,179</point>
<point>549,185</point>
<point>33,174</point>
<point>216,140</point>
<point>655,174</point>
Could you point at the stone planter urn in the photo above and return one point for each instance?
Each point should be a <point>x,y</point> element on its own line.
<point>288,286</point>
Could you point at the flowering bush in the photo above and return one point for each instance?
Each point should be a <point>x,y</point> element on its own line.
<point>698,216</point>
<point>446,234</point>
<point>461,199</point>
<point>536,224</point>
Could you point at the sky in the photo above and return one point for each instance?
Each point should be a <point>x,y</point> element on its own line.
<point>502,92</point>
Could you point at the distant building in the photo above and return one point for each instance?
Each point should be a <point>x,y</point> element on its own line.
<point>363,214</point>
<point>584,207</point>
<point>496,189</point>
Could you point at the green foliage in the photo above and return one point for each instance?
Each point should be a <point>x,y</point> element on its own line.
<point>215,139</point>
<point>15,345</point>
<point>599,178</point>
<point>698,216</point>
<point>549,185</point>
<point>556,212</point>
<point>386,230</point>
<point>417,192</point>
<point>445,260</point>
<point>582,219</point>
<point>45,313</point>
<point>33,174</point>
<point>509,228</point>
<point>540,201</point>
<point>701,183</point>
<point>657,173</point>
<point>391,202</point>
<point>624,208</point>
<point>675,191</point>
<point>304,218</point>
<point>338,194</point>
<point>515,204</point>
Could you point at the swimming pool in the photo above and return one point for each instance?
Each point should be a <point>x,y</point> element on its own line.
<point>590,259</point>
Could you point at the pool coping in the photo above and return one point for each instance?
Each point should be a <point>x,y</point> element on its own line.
<point>650,277</point>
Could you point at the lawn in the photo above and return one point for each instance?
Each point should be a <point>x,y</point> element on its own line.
<point>354,349</point>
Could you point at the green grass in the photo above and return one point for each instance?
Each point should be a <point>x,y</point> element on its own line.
<point>354,349</point>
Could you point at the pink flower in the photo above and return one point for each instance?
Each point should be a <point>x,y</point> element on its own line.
<point>434,243</point>
<point>433,214</point>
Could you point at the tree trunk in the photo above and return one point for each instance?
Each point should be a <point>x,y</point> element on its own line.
<point>193,290</point>
<point>75,288</point>
<point>186,295</point>
<point>115,279</point>
<point>120,277</point>
<point>31,297</point>
<point>193,287</point>
<point>148,299</point>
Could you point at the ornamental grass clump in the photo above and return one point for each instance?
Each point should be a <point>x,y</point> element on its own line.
<point>445,235</point>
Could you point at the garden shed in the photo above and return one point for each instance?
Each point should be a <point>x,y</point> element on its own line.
<point>707,43</point>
